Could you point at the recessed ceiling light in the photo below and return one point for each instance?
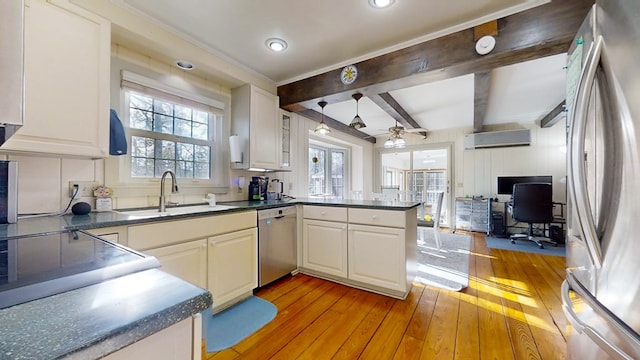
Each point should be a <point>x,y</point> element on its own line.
<point>380,4</point>
<point>184,65</point>
<point>276,44</point>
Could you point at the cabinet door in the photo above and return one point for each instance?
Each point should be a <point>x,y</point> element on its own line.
<point>233,265</point>
<point>116,234</point>
<point>265,130</point>
<point>377,256</point>
<point>285,136</point>
<point>324,247</point>
<point>173,343</point>
<point>188,261</point>
<point>67,59</point>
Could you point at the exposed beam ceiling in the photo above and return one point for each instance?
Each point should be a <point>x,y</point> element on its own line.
<point>387,103</point>
<point>335,124</point>
<point>553,116</point>
<point>482,84</point>
<point>535,33</point>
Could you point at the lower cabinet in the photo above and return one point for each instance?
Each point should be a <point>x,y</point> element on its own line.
<point>372,249</point>
<point>324,245</point>
<point>377,256</point>
<point>233,265</point>
<point>218,253</point>
<point>187,261</point>
<point>178,342</point>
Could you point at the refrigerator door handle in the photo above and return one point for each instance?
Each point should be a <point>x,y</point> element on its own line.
<point>571,283</point>
<point>577,178</point>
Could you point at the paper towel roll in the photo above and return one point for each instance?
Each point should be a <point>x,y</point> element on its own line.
<point>235,154</point>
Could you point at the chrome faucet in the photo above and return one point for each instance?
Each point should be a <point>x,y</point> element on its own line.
<point>174,188</point>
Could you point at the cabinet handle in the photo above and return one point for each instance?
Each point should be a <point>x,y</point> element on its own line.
<point>205,245</point>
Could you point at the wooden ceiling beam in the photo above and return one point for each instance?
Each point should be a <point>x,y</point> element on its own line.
<point>335,124</point>
<point>538,32</point>
<point>387,103</point>
<point>553,116</point>
<point>481,85</point>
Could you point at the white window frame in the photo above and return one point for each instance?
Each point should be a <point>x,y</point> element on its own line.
<point>215,117</point>
<point>329,148</point>
<point>219,172</point>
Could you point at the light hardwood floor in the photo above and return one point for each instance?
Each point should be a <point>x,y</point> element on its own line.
<point>511,310</point>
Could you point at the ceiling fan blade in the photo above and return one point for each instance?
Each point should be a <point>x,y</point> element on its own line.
<point>415,130</point>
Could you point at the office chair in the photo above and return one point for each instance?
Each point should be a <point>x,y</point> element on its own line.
<point>532,203</point>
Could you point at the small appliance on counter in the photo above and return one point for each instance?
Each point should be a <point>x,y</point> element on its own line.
<point>258,188</point>
<point>275,190</point>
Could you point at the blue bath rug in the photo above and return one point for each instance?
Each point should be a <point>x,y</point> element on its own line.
<point>229,327</point>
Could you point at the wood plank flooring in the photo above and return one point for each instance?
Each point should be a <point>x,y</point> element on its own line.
<point>511,310</point>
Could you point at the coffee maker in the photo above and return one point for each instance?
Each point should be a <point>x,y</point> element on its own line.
<point>275,190</point>
<point>258,188</point>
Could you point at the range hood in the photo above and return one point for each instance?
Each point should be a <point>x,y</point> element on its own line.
<point>495,139</point>
<point>11,67</point>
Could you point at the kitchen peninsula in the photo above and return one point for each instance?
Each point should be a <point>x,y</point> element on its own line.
<point>365,244</point>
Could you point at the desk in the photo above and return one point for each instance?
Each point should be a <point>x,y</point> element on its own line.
<point>553,229</point>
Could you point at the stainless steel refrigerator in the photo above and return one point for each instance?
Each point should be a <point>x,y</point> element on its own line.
<point>601,293</point>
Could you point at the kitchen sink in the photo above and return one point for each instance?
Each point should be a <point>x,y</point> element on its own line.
<point>179,210</point>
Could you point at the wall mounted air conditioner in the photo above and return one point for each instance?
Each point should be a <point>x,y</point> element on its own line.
<point>494,139</point>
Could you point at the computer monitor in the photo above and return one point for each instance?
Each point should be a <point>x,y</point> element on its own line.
<point>505,183</point>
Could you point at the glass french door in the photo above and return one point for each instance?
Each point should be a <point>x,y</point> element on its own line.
<point>419,174</point>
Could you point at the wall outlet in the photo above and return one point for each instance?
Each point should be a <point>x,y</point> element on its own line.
<point>85,188</point>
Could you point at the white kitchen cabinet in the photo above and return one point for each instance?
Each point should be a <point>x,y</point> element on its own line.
<point>255,119</point>
<point>233,265</point>
<point>324,246</point>
<point>377,256</point>
<point>188,261</point>
<point>285,140</point>
<point>177,342</point>
<point>226,263</point>
<point>67,59</point>
<point>372,249</point>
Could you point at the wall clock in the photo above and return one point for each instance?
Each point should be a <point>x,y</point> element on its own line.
<point>349,74</point>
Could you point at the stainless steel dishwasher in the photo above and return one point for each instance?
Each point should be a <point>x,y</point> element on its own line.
<point>277,243</point>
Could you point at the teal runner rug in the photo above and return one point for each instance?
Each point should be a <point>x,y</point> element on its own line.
<point>229,327</point>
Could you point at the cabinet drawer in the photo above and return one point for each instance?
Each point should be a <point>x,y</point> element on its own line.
<point>142,237</point>
<point>328,213</point>
<point>388,218</point>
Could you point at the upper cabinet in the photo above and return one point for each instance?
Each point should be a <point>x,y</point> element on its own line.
<point>256,121</point>
<point>66,66</point>
<point>285,141</point>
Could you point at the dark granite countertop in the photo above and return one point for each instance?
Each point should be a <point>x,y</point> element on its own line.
<point>97,320</point>
<point>49,224</point>
<point>90,322</point>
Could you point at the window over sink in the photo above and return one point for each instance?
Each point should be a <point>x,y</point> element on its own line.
<point>169,135</point>
<point>170,124</point>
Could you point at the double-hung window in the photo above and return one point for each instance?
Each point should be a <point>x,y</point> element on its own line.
<point>170,132</point>
<point>167,135</point>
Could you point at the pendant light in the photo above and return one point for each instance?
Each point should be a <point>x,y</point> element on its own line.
<point>357,122</point>
<point>322,128</point>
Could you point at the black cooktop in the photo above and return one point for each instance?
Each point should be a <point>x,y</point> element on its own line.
<point>37,266</point>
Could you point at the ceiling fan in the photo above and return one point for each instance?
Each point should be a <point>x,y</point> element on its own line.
<point>395,135</point>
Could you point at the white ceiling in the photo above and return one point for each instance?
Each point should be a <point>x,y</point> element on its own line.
<point>325,35</point>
